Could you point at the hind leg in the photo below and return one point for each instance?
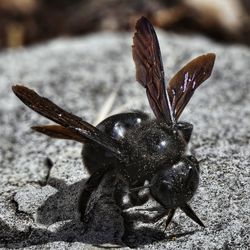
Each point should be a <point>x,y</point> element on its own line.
<point>140,196</point>
<point>90,186</point>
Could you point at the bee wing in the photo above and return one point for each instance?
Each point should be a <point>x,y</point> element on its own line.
<point>149,69</point>
<point>182,86</point>
<point>75,124</point>
<point>59,132</point>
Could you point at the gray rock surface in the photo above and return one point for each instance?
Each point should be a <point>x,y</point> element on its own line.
<point>41,178</point>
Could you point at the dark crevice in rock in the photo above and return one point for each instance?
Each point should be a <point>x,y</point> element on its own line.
<point>49,164</point>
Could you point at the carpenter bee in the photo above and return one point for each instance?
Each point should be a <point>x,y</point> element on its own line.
<point>134,146</point>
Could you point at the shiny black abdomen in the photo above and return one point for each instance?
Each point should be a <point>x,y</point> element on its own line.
<point>96,157</point>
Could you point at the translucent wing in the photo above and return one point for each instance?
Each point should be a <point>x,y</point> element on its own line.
<point>69,121</point>
<point>182,86</point>
<point>149,69</point>
<point>59,132</point>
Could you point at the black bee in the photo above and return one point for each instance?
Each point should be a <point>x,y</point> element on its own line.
<point>132,144</point>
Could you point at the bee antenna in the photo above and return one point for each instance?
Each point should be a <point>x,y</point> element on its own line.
<point>191,214</point>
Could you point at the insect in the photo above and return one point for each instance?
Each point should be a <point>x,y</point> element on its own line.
<point>132,144</point>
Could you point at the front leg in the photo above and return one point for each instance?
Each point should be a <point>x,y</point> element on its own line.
<point>138,193</point>
<point>134,194</point>
<point>137,198</point>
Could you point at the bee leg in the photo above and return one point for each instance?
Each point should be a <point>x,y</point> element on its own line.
<point>90,186</point>
<point>191,214</point>
<point>134,198</point>
<point>171,213</point>
<point>160,216</point>
<point>138,199</point>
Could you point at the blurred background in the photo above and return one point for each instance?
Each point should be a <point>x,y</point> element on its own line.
<point>25,22</point>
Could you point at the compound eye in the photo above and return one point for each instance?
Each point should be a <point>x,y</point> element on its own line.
<point>165,188</point>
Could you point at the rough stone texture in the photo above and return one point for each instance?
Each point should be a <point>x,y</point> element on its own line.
<point>38,199</point>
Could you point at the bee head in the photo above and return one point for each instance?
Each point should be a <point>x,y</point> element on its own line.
<point>173,186</point>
